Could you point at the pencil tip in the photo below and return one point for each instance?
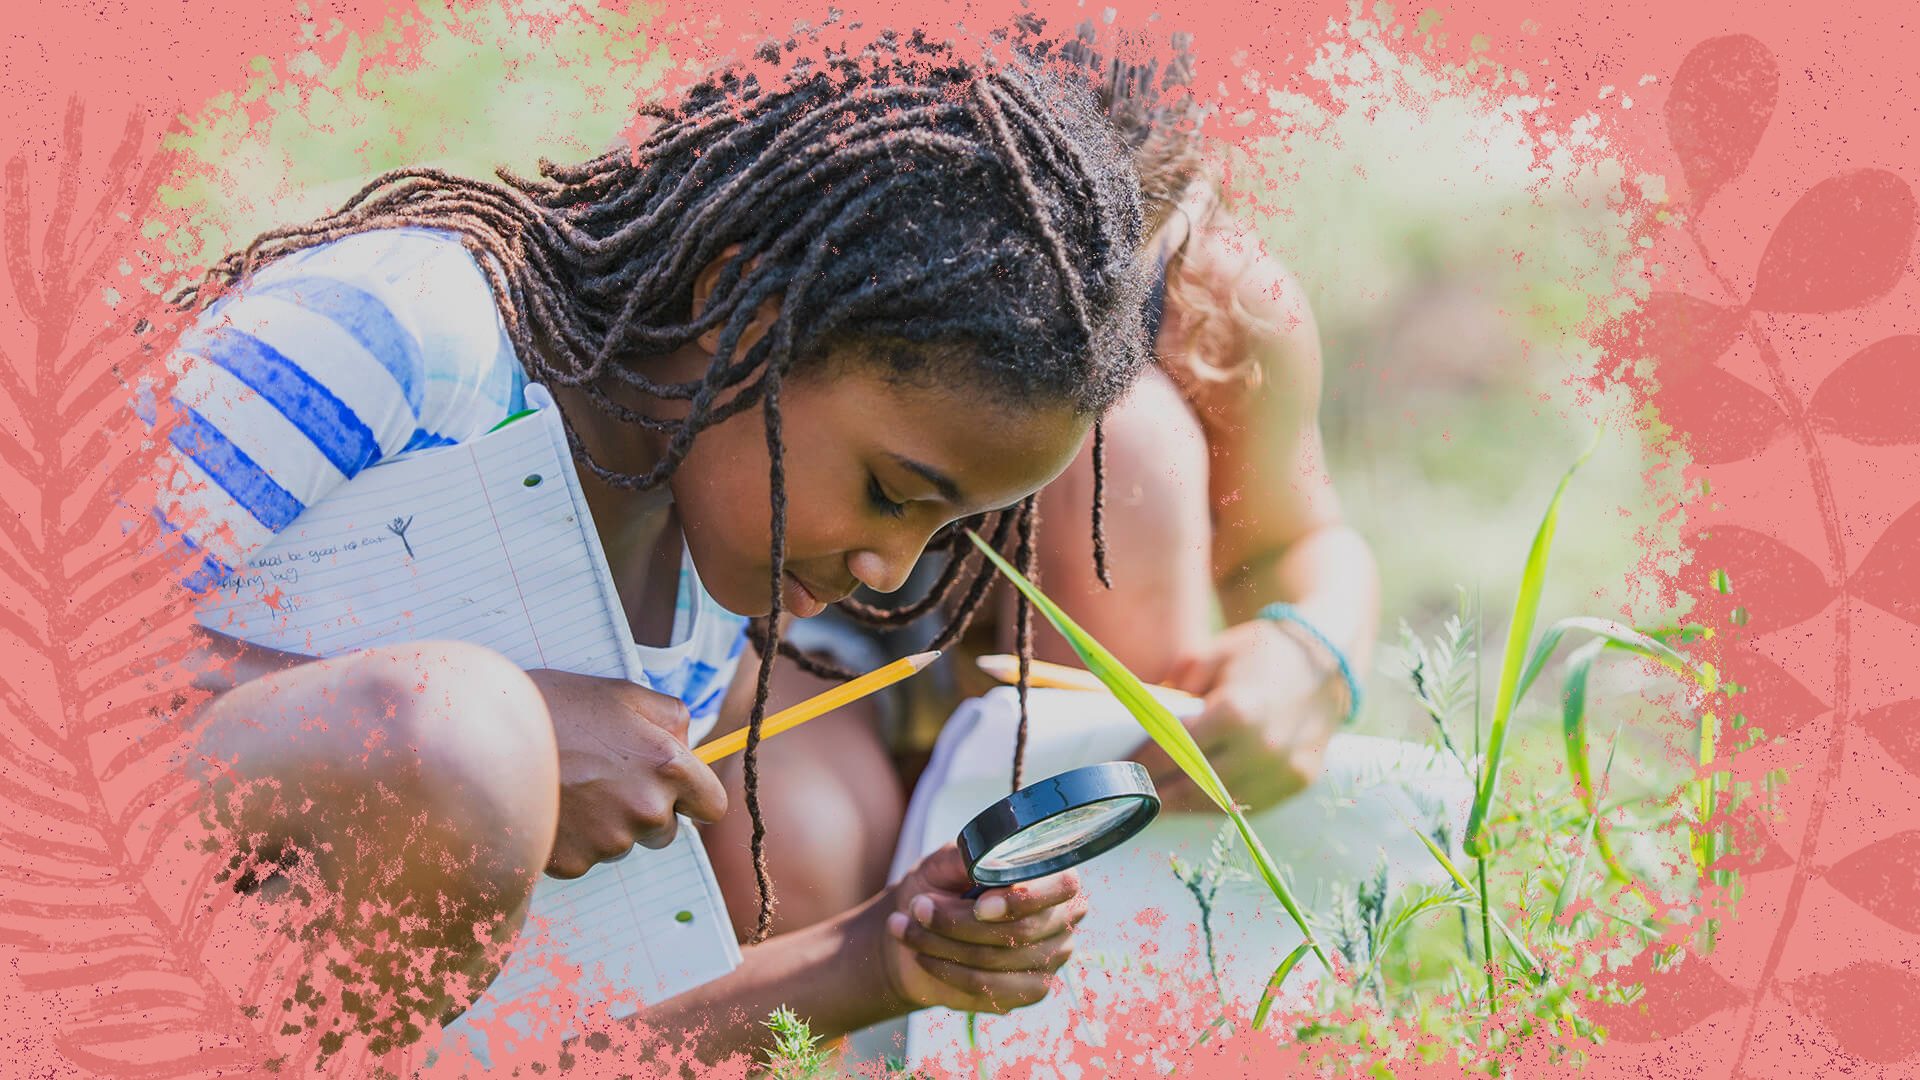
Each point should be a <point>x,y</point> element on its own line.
<point>921,660</point>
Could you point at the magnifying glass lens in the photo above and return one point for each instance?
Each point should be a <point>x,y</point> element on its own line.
<point>1058,822</point>
<point>1057,835</point>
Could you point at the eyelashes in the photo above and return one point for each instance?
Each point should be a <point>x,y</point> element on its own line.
<point>877,495</point>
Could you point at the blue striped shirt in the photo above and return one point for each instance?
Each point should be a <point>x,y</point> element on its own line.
<point>344,355</point>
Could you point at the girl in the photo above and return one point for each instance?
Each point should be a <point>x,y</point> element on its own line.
<point>795,332</point>
<point>1219,502</point>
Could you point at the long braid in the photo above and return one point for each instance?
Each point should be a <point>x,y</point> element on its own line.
<point>1100,504</point>
<point>1028,557</point>
<point>776,453</point>
<point>903,205</point>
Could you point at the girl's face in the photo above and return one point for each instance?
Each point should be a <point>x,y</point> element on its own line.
<point>874,467</point>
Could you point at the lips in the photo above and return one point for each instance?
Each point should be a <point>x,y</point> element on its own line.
<point>804,601</point>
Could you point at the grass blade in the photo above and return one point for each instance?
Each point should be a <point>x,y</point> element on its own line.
<point>1620,636</point>
<point>1280,974</point>
<point>1526,609</point>
<point>1163,728</point>
<point>1570,885</point>
<point>1594,838</point>
<point>1519,947</point>
<point>1573,721</point>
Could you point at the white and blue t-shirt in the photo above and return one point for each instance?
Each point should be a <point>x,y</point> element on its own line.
<point>347,354</point>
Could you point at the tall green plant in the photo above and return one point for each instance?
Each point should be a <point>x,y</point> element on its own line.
<point>1163,728</point>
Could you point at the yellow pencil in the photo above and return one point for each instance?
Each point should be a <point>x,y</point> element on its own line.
<point>1060,677</point>
<point>820,704</point>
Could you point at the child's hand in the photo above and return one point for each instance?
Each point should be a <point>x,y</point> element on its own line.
<point>1270,710</point>
<point>625,769</point>
<point>994,953</point>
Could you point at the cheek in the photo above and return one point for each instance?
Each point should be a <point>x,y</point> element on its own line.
<point>720,495</point>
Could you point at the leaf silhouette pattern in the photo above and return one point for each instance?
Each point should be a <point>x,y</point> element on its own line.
<point>1681,334</point>
<point>1723,95</point>
<point>1771,699</point>
<point>1775,585</point>
<point>1889,576</point>
<point>1671,1002</point>
<point>1896,727</point>
<point>1717,416</point>
<point>1884,878</point>
<point>1844,243</point>
<point>105,907</point>
<point>1756,850</point>
<point>1872,1009</point>
<point>1873,397</point>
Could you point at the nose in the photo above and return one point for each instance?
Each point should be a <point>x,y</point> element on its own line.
<point>885,571</point>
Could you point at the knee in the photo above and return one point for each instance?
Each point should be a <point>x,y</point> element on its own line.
<point>384,754</point>
<point>467,732</point>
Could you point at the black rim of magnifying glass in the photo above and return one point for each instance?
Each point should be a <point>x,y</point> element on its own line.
<point>1050,798</point>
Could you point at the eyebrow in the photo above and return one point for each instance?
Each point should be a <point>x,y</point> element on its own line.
<point>943,483</point>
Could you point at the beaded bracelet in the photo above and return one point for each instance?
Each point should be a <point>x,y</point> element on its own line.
<point>1287,613</point>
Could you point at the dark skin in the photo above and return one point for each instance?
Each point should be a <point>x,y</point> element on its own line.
<point>874,467</point>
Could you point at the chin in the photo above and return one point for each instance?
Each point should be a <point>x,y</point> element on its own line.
<point>749,601</point>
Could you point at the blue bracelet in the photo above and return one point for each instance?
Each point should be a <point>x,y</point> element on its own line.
<point>1287,613</point>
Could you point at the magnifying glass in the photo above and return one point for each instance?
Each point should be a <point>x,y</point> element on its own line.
<point>1058,822</point>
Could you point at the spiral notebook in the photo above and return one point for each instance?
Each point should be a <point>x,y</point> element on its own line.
<point>490,542</point>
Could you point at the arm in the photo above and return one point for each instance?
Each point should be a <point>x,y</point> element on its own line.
<point>1273,694</point>
<point>921,942</point>
<point>1158,537</point>
<point>1279,534</point>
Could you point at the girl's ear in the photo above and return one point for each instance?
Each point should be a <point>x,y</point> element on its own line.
<point>703,287</point>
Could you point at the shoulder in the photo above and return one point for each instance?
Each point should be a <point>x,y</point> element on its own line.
<point>424,298</point>
<point>1270,338</point>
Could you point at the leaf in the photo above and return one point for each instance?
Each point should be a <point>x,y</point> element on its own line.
<point>1872,1009</point>
<point>1615,635</point>
<point>1570,885</point>
<point>1674,1000</point>
<point>1873,397</point>
<point>1889,576</point>
<point>1526,608</point>
<point>1681,334</point>
<point>1161,725</point>
<point>1776,585</point>
<point>1519,947</point>
<point>1719,417</point>
<point>1573,721</point>
<point>1722,98</point>
<point>1897,728</point>
<point>1754,848</point>
<point>1844,243</point>
<point>1884,878</point>
<point>1771,699</point>
<point>1273,984</point>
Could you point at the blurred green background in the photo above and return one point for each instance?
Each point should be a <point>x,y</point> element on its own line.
<point>1451,255</point>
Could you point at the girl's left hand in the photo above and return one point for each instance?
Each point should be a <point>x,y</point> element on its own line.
<point>1270,709</point>
<point>993,953</point>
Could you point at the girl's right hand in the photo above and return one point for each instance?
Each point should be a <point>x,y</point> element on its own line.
<point>625,769</point>
<point>992,953</point>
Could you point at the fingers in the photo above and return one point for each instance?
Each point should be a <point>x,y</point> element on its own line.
<point>1036,954</point>
<point>665,712</point>
<point>697,790</point>
<point>945,870</point>
<point>989,991</point>
<point>955,917</point>
<point>1194,673</point>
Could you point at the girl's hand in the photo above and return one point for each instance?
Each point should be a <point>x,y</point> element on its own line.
<point>625,769</point>
<point>994,953</point>
<point>1270,708</point>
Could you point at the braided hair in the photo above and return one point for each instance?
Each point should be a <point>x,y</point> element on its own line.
<point>950,219</point>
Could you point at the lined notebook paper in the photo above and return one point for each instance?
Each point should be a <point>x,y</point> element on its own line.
<point>490,542</point>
